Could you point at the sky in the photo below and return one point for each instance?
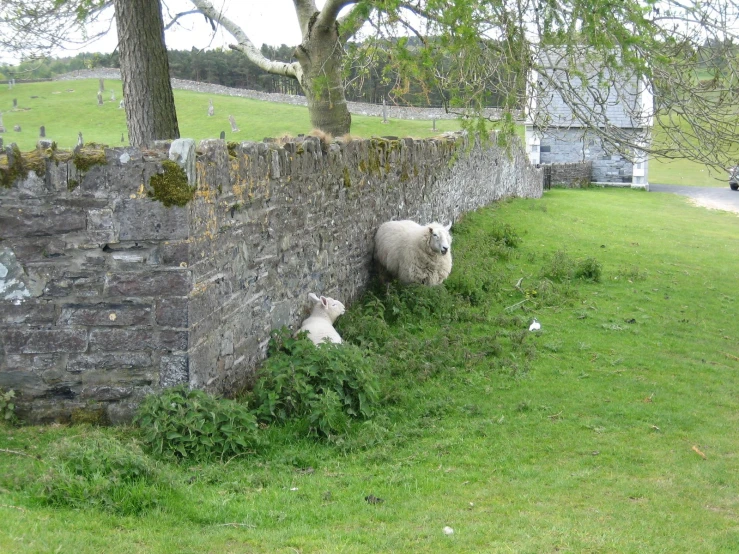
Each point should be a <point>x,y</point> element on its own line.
<point>270,22</point>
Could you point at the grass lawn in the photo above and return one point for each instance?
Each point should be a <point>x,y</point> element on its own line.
<point>68,107</point>
<point>613,429</point>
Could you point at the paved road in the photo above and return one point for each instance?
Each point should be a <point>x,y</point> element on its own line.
<point>719,198</point>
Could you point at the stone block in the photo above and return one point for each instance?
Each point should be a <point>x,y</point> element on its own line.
<point>41,221</point>
<point>41,341</point>
<point>173,370</point>
<point>29,312</point>
<point>131,340</point>
<point>172,312</point>
<point>148,283</point>
<point>106,314</point>
<point>102,362</point>
<point>145,219</point>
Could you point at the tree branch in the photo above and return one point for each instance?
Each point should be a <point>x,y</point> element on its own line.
<point>330,12</point>
<point>246,46</point>
<point>351,22</point>
<point>305,9</point>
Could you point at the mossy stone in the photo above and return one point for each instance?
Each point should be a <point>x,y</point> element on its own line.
<point>171,187</point>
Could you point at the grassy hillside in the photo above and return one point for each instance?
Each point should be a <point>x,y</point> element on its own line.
<point>607,431</point>
<point>68,107</point>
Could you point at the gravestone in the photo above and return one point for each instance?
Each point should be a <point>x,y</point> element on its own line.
<point>42,131</point>
<point>211,110</point>
<point>384,111</point>
<point>1,143</point>
<point>15,102</point>
<point>43,145</point>
<point>101,84</point>
<point>100,98</point>
<point>17,128</point>
<point>232,121</point>
<point>223,135</point>
<point>2,127</point>
<point>112,96</point>
<point>80,141</point>
<point>120,104</point>
<point>433,124</point>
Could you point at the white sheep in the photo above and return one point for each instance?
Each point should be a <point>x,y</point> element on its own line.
<point>415,253</point>
<point>320,323</point>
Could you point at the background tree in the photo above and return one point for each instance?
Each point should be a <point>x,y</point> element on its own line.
<point>35,28</point>
<point>147,89</point>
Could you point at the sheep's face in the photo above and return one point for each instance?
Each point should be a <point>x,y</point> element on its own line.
<point>440,240</point>
<point>333,308</point>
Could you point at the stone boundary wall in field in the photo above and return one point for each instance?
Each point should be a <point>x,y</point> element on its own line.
<point>107,295</point>
<point>572,175</point>
<point>359,108</point>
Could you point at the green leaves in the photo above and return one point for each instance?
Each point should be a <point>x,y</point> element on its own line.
<point>7,406</point>
<point>192,425</point>
<point>325,387</point>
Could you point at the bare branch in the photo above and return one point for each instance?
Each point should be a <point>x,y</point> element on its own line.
<point>245,45</point>
<point>305,10</point>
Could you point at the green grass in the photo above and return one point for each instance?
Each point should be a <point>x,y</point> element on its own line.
<point>578,438</point>
<point>65,113</point>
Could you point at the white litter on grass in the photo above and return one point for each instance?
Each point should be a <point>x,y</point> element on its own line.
<point>535,325</point>
<point>448,530</point>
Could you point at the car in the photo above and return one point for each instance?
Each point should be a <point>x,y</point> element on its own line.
<point>734,178</point>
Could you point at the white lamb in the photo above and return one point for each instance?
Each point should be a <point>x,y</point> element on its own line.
<point>415,253</point>
<point>320,323</point>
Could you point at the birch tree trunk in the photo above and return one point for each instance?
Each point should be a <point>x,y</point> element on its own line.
<point>320,57</point>
<point>147,90</point>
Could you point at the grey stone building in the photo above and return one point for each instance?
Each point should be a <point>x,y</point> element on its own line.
<point>618,105</point>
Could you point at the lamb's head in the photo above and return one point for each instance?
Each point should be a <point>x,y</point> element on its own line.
<point>439,240</point>
<point>327,306</point>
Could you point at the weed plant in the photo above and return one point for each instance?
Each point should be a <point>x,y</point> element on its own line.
<point>191,425</point>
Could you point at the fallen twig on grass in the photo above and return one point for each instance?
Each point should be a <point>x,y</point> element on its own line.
<point>14,507</point>
<point>701,454</point>
<point>8,451</point>
<point>731,356</point>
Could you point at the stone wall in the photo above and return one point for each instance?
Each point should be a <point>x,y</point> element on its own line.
<point>572,175</point>
<point>107,295</point>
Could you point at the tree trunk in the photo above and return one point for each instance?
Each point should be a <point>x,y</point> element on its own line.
<point>320,56</point>
<point>147,90</point>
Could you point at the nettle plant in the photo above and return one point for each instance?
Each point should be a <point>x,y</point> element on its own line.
<point>323,387</point>
<point>7,406</point>
<point>193,425</point>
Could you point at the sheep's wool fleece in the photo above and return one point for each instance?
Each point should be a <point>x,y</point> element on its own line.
<point>402,247</point>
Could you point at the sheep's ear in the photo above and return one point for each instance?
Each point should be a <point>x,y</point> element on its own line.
<point>313,297</point>
<point>447,227</point>
<point>431,230</point>
<point>324,301</point>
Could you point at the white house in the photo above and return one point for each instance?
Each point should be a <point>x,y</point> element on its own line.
<point>560,122</point>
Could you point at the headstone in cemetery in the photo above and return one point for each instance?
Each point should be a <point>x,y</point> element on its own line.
<point>101,83</point>
<point>120,104</point>
<point>15,102</point>
<point>223,135</point>
<point>433,124</point>
<point>211,109</point>
<point>80,141</point>
<point>100,98</point>
<point>2,127</point>
<point>43,145</point>
<point>232,121</point>
<point>42,131</point>
<point>1,143</point>
<point>17,128</point>
<point>112,96</point>
<point>384,111</point>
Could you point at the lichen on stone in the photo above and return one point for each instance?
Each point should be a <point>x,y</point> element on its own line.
<point>171,187</point>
